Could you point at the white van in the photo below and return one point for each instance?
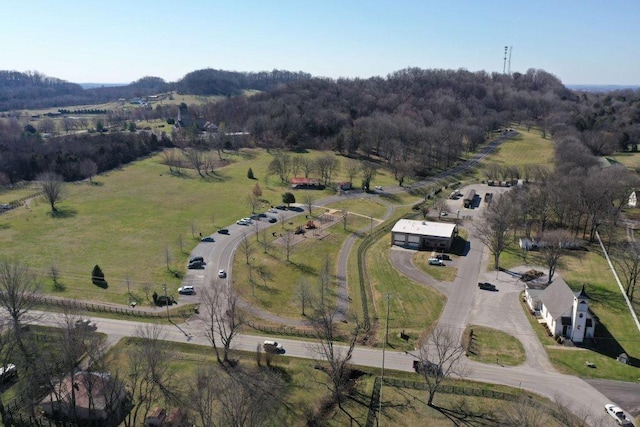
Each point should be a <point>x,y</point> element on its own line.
<point>435,261</point>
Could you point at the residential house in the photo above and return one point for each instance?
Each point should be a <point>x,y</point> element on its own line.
<point>97,398</point>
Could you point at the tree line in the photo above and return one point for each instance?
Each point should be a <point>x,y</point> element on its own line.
<point>24,154</point>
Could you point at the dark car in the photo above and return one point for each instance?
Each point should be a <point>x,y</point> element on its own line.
<point>262,215</point>
<point>281,207</point>
<point>272,220</point>
<point>207,239</point>
<point>198,265</point>
<point>223,231</point>
<point>486,286</point>
<point>427,367</point>
<point>196,259</point>
<point>255,217</point>
<point>443,257</point>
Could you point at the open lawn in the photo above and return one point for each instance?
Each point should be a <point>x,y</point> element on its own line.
<point>368,207</point>
<point>272,283</point>
<point>130,220</point>
<point>412,307</point>
<point>529,148</point>
<point>489,345</point>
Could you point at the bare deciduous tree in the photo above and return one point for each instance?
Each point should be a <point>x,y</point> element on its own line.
<point>345,218</point>
<point>333,357</point>
<point>626,257</point>
<point>493,227</point>
<point>246,248</point>
<point>440,356</point>
<point>223,319</point>
<point>149,376</point>
<point>288,239</point>
<point>52,186</point>
<point>253,202</point>
<point>554,244</point>
<point>308,200</point>
<point>304,294</point>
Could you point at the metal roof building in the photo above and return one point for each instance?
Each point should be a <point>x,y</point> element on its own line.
<point>423,234</point>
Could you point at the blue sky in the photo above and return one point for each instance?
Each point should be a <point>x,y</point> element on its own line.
<point>581,42</point>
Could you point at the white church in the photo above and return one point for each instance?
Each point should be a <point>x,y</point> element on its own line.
<point>566,313</point>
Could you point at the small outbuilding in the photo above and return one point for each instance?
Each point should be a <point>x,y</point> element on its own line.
<point>423,235</point>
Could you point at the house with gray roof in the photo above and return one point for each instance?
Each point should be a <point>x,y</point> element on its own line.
<point>566,313</point>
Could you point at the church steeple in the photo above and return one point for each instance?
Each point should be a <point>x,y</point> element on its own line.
<point>582,294</point>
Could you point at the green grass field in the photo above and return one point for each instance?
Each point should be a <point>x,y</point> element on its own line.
<point>493,346</point>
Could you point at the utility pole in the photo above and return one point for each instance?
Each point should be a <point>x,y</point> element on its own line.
<point>384,346</point>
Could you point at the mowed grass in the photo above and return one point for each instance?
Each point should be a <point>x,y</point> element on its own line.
<point>130,219</point>
<point>528,148</point>
<point>490,345</point>
<point>271,282</point>
<point>368,207</point>
<point>412,307</point>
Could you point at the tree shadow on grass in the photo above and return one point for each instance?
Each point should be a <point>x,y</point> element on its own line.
<point>461,414</point>
<point>101,283</point>
<point>62,213</point>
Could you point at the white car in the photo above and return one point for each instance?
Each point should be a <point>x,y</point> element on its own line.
<point>222,274</point>
<point>242,222</point>
<point>443,213</point>
<point>273,210</point>
<point>186,290</point>
<point>617,414</point>
<point>247,220</point>
<point>378,187</point>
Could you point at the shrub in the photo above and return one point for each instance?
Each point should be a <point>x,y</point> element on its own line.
<point>97,276</point>
<point>250,174</point>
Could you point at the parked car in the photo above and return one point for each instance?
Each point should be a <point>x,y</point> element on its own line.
<point>255,217</point>
<point>444,213</point>
<point>262,215</point>
<point>198,265</point>
<point>196,259</point>
<point>281,207</point>
<point>617,414</point>
<point>8,371</point>
<point>207,239</point>
<point>223,231</point>
<point>273,210</point>
<point>443,257</point>
<point>429,367</point>
<point>378,187</point>
<point>5,207</point>
<point>486,286</point>
<point>242,222</point>
<point>186,290</point>
<point>222,274</point>
<point>86,325</point>
<point>247,220</point>
<point>272,220</point>
<point>273,347</point>
<point>435,261</point>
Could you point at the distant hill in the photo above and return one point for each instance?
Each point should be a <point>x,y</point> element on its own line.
<point>602,88</point>
<point>34,90</point>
